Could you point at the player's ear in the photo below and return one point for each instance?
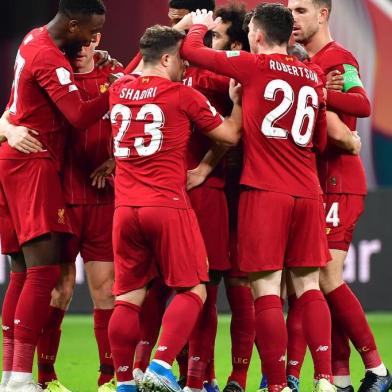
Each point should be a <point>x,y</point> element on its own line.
<point>165,59</point>
<point>73,26</point>
<point>236,45</point>
<point>323,15</point>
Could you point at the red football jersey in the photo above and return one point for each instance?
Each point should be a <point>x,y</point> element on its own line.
<point>152,119</point>
<point>87,149</point>
<point>43,75</point>
<point>340,172</point>
<point>284,115</point>
<point>216,89</point>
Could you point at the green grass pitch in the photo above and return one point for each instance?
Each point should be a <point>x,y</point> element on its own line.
<point>77,360</point>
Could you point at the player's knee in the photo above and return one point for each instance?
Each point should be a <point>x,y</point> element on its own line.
<point>62,296</point>
<point>102,295</point>
<point>329,280</point>
<point>201,291</point>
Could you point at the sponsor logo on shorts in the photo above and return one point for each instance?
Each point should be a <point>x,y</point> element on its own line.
<point>322,348</point>
<point>161,348</point>
<point>122,369</point>
<point>61,215</point>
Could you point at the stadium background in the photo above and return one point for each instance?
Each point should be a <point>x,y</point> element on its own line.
<point>363,26</point>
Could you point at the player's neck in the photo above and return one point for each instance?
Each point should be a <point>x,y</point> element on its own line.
<point>272,49</point>
<point>87,68</point>
<point>322,38</point>
<point>55,30</point>
<point>154,71</point>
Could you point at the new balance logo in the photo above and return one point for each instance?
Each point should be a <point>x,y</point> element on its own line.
<point>322,348</point>
<point>364,349</point>
<point>161,348</point>
<point>195,359</point>
<point>144,343</point>
<point>16,322</point>
<point>122,369</point>
<point>293,363</point>
<point>282,358</point>
<point>5,328</point>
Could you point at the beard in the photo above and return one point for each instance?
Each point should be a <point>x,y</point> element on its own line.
<point>72,50</point>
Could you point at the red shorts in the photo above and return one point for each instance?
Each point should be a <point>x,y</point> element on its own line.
<point>210,207</point>
<point>92,225</point>
<point>276,230</point>
<point>31,201</point>
<point>342,212</point>
<point>153,241</point>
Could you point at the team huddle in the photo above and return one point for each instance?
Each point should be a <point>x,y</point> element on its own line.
<point>226,150</point>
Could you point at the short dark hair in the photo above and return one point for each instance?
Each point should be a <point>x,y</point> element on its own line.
<point>234,13</point>
<point>324,3</point>
<point>192,5</point>
<point>72,8</point>
<point>158,40</point>
<point>276,20</point>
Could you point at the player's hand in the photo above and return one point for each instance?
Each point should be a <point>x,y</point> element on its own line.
<point>205,18</point>
<point>185,23</point>
<point>357,144</point>
<point>103,59</point>
<point>22,140</point>
<point>100,174</point>
<point>195,178</point>
<point>235,92</point>
<point>335,81</point>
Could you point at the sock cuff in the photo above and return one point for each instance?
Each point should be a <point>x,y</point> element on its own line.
<point>129,305</point>
<point>18,276</point>
<point>102,317</point>
<point>341,290</point>
<point>194,296</point>
<point>310,296</point>
<point>268,302</point>
<point>49,273</point>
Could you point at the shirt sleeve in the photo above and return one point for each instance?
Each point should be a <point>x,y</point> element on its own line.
<point>236,64</point>
<point>320,134</point>
<point>54,74</point>
<point>199,110</point>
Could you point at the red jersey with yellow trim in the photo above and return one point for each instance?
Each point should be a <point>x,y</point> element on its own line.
<point>152,119</point>
<point>216,88</point>
<point>43,75</point>
<point>88,148</point>
<point>339,171</point>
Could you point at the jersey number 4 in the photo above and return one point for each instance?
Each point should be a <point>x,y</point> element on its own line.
<point>303,111</point>
<point>152,129</point>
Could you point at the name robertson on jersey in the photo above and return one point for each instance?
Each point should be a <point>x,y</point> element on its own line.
<point>138,95</point>
<point>293,70</point>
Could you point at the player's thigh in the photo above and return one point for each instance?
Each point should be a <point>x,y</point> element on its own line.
<point>263,225</point>
<point>210,206</point>
<point>133,259</point>
<point>177,243</point>
<point>307,245</point>
<point>37,208</point>
<point>96,236</point>
<point>331,276</point>
<point>342,212</point>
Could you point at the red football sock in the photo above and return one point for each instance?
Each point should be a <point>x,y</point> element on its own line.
<point>210,369</point>
<point>316,324</point>
<point>150,322</point>
<point>182,360</point>
<point>176,329</point>
<point>202,340</point>
<point>242,331</point>
<point>31,314</point>
<point>340,350</point>
<point>10,302</point>
<point>348,311</point>
<point>296,348</point>
<point>124,335</point>
<point>48,345</point>
<point>271,335</point>
<point>101,325</point>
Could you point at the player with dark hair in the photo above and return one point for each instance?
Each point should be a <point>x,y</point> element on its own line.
<point>281,205</point>
<point>43,96</point>
<point>154,227</point>
<point>179,8</point>
<point>342,177</point>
